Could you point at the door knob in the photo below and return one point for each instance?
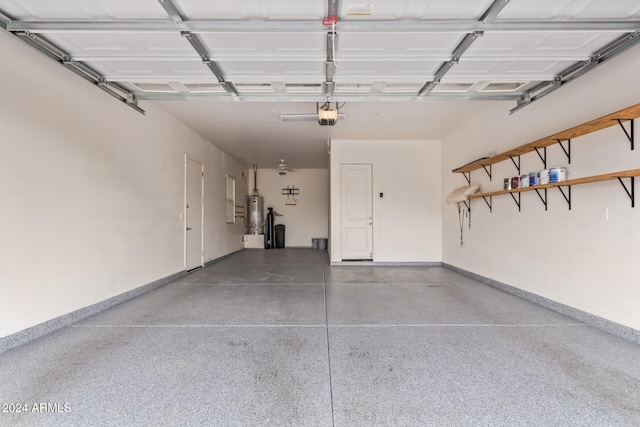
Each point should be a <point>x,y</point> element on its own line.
<point>189,228</point>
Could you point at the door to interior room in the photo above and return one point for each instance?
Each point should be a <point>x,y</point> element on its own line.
<point>194,197</point>
<point>357,211</point>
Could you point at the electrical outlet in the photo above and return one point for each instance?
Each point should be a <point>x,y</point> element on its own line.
<point>604,213</point>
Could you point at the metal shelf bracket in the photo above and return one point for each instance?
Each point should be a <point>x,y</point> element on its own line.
<point>517,165</point>
<point>544,199</point>
<point>543,156</point>
<point>631,192</point>
<point>517,201</point>
<point>489,202</point>
<point>467,176</point>
<point>567,196</point>
<point>488,171</point>
<point>631,133</point>
<point>567,150</point>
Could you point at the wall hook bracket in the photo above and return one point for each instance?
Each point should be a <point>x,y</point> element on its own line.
<point>467,204</point>
<point>291,192</point>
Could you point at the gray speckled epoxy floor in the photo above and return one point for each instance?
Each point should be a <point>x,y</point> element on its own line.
<point>280,338</point>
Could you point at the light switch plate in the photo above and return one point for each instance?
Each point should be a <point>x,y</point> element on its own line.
<point>604,213</point>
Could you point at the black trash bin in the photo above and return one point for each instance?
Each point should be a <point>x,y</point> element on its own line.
<point>280,236</point>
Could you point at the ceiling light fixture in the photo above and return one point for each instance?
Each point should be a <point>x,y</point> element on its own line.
<point>326,115</point>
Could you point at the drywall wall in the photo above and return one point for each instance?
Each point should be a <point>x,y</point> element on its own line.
<point>570,256</point>
<point>308,218</point>
<point>221,238</point>
<point>407,219</point>
<point>92,192</point>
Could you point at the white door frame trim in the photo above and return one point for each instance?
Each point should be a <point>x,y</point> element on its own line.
<point>184,210</point>
<point>339,202</point>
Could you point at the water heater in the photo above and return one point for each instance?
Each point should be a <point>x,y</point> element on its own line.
<point>255,217</point>
<point>255,208</point>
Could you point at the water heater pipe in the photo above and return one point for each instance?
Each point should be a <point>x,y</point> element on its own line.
<point>255,180</point>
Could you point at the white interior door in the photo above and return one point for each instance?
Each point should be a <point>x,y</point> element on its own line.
<point>194,175</point>
<point>357,211</point>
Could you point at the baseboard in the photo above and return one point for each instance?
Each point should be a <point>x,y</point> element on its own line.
<point>286,247</point>
<point>387,264</point>
<point>223,257</point>
<point>42,329</point>
<point>582,316</point>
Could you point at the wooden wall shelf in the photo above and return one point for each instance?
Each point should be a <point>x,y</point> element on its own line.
<point>627,114</point>
<point>567,183</point>
<point>619,117</point>
<point>631,192</point>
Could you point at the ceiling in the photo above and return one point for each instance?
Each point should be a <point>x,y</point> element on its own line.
<point>400,69</point>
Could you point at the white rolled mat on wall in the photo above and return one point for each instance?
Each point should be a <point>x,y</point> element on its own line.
<point>461,194</point>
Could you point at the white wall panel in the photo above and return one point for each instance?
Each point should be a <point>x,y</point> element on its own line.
<point>407,219</point>
<point>306,220</point>
<point>569,256</point>
<point>92,192</point>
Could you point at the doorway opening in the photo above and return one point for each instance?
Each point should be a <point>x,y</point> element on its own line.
<point>194,214</point>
